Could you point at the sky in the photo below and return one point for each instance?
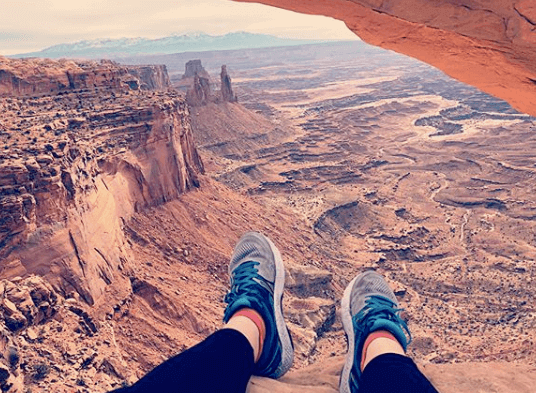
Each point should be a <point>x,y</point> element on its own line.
<point>32,25</point>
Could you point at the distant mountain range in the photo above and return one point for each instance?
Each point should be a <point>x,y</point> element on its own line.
<point>196,42</point>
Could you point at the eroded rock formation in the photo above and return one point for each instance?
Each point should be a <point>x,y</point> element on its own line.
<point>79,157</point>
<point>193,68</point>
<point>150,77</point>
<point>49,77</point>
<point>488,44</point>
<point>226,88</point>
<point>199,88</point>
<point>201,92</point>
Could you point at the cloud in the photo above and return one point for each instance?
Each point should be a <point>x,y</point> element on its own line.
<point>30,25</point>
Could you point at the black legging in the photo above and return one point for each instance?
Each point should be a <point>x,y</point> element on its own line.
<point>224,363</point>
<point>394,373</point>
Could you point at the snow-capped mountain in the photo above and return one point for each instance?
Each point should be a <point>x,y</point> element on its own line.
<point>193,42</point>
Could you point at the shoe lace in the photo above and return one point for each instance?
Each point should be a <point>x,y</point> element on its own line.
<point>379,307</point>
<point>245,280</point>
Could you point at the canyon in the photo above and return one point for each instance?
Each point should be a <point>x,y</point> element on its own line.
<point>396,166</point>
<point>88,149</point>
<point>121,204</point>
<point>102,245</point>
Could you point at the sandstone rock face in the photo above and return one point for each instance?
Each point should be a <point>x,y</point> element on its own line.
<point>76,165</point>
<point>201,92</point>
<point>48,77</point>
<point>226,88</point>
<point>193,68</point>
<point>37,327</point>
<point>196,83</point>
<point>199,89</point>
<point>27,302</point>
<point>488,44</point>
<point>151,77</point>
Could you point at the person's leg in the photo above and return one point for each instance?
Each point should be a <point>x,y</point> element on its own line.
<point>255,339</point>
<point>377,341</point>
<point>250,323</point>
<point>391,372</point>
<point>223,362</point>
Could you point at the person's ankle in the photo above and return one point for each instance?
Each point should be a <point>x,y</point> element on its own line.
<point>251,324</point>
<point>378,343</point>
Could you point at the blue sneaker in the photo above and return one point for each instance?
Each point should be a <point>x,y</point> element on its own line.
<point>257,280</point>
<point>368,305</point>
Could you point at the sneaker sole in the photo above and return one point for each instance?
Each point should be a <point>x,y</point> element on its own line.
<point>347,324</point>
<point>287,352</point>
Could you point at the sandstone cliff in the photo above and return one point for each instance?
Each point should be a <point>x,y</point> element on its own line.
<point>78,160</point>
<point>488,44</point>
<point>48,77</point>
<point>150,77</point>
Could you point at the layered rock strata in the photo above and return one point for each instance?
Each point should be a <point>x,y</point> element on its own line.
<point>77,161</point>
<point>488,44</point>
<point>41,77</point>
<point>150,77</point>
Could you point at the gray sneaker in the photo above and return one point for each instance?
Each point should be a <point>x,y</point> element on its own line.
<point>368,305</point>
<point>257,280</point>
